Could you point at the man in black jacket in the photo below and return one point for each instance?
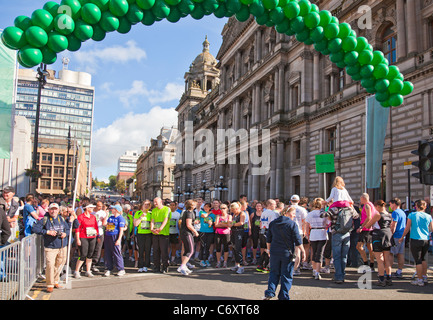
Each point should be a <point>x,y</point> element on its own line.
<point>54,230</point>
<point>5,229</point>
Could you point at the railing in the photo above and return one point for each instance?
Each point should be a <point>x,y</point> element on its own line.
<point>20,265</point>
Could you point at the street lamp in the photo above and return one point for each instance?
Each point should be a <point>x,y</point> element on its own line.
<point>204,190</point>
<point>188,191</point>
<point>178,194</point>
<point>221,187</point>
<point>42,80</point>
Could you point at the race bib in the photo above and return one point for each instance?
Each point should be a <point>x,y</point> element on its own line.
<point>110,227</point>
<point>91,232</point>
<point>145,224</point>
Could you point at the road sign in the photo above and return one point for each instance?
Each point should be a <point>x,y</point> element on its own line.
<point>407,165</point>
<point>325,163</point>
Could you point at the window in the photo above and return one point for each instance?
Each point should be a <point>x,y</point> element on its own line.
<point>295,96</point>
<point>45,184</point>
<point>389,45</point>
<point>341,79</point>
<point>297,150</point>
<point>331,139</point>
<point>297,185</point>
<point>159,176</point>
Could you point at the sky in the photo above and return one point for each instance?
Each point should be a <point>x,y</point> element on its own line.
<point>138,78</point>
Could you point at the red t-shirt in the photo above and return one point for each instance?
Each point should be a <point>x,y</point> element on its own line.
<point>216,212</point>
<point>88,228</point>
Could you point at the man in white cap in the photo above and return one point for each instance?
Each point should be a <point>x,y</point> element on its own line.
<point>301,215</point>
<point>54,230</point>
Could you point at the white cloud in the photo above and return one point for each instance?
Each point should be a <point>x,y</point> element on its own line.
<point>130,132</point>
<point>134,95</point>
<point>91,59</point>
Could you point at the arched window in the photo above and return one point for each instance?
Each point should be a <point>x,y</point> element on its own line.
<point>389,45</point>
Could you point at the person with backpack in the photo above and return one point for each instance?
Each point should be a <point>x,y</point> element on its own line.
<point>54,230</point>
<point>341,226</point>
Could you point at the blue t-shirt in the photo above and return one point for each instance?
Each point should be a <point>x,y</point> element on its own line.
<point>28,208</point>
<point>419,229</point>
<point>114,224</point>
<point>400,217</point>
<point>204,223</point>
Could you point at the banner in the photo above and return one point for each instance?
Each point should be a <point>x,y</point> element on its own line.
<point>7,86</point>
<point>377,121</point>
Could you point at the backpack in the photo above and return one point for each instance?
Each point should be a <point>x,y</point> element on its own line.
<point>344,221</point>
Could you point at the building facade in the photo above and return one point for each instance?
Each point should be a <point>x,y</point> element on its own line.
<point>310,106</point>
<point>155,167</point>
<point>67,102</point>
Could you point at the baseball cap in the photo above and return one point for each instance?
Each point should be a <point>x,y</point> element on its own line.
<point>181,205</point>
<point>117,207</point>
<point>9,189</point>
<point>53,205</point>
<point>90,206</point>
<point>295,197</point>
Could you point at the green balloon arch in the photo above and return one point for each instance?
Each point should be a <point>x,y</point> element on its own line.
<point>58,27</point>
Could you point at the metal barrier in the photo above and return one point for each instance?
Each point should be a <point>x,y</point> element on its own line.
<point>21,263</point>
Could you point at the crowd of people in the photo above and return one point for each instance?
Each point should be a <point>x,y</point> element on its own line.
<point>274,237</point>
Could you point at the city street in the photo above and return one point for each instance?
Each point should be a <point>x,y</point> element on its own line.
<point>223,284</point>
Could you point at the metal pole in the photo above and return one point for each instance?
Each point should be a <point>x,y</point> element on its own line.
<point>408,185</point>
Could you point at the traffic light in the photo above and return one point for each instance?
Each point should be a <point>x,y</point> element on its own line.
<point>425,162</point>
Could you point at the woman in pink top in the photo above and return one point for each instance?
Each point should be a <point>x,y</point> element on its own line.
<point>222,231</point>
<point>365,238</point>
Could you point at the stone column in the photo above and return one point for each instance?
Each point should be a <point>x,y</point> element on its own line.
<point>412,26</point>
<point>236,114</point>
<point>257,102</point>
<point>401,30</point>
<point>274,155</point>
<point>280,169</point>
<point>316,75</point>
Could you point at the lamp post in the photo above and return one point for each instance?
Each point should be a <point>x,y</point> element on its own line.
<point>42,80</point>
<point>221,187</point>
<point>178,194</point>
<point>204,190</point>
<point>188,191</point>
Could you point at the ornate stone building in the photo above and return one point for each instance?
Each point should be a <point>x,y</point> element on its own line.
<point>266,80</point>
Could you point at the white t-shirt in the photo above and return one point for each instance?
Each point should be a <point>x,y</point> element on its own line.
<point>174,222</point>
<point>267,217</point>
<point>318,226</point>
<point>339,195</point>
<point>301,215</point>
<point>100,215</point>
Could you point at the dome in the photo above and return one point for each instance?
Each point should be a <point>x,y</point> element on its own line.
<point>204,58</point>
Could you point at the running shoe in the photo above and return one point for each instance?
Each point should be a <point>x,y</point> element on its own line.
<point>380,283</point>
<point>89,274</point>
<point>183,271</point>
<point>121,273</point>
<point>398,275</point>
<point>417,282</point>
<point>218,265</point>
<point>297,272</point>
<point>207,263</point>
<point>202,264</point>
<point>235,268</point>
<point>77,275</point>
<point>107,273</point>
<point>225,264</point>
<point>240,270</point>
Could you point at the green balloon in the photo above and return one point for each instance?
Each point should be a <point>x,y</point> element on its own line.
<point>312,20</point>
<point>57,42</point>
<point>377,57</point>
<point>276,15</point>
<point>23,22</point>
<point>244,13</point>
<point>305,7</point>
<point>98,33</point>
<point>221,11</point>
<point>357,77</point>
<point>74,44</point>
<point>407,88</point>
<point>109,22</point>
<point>380,71</point>
<point>14,38</point>
<point>361,44</point>
<point>233,6</point>
<point>198,12</point>
<point>303,35</point>
<point>49,56</point>
<point>395,100</point>
<point>36,37</point>
<point>297,24</point>
<point>349,44</point>
<point>352,70</point>
<point>211,5</point>
<point>317,34</point>
<point>74,8</point>
<point>263,19</point>
<point>351,58</point>
<point>30,56</point>
<point>336,57</point>
<point>64,24</point>
<point>334,45</point>
<point>91,13</point>
<point>321,45</point>
<point>270,4</point>
<point>367,71</point>
<point>325,18</point>
<point>149,18</point>
<point>368,83</point>
<point>83,31</point>
<point>247,2</point>
<point>291,10</point>
<point>135,14</point>
<point>314,8</point>
<point>365,57</point>
<point>382,96</point>
<point>52,7</point>
<point>344,30</point>
<point>257,9</point>
<point>172,2</point>
<point>283,27</point>
<point>43,19</point>
<point>160,9</point>
<point>382,85</point>
<point>385,104</point>
<point>174,15</point>
<point>124,25</point>
<point>103,4</point>
<point>331,30</point>
<point>186,6</point>
<point>118,7</point>
<point>396,86</point>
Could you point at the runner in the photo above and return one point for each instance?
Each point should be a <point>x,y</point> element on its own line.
<point>142,220</point>
<point>174,233</point>
<point>160,227</point>
<point>207,234</point>
<point>237,226</point>
<point>187,234</point>
<point>268,215</point>
<point>255,231</point>
<point>222,231</point>
<point>365,238</point>
<point>398,225</point>
<point>301,215</point>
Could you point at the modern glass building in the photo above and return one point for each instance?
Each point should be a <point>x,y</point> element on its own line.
<point>67,101</point>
